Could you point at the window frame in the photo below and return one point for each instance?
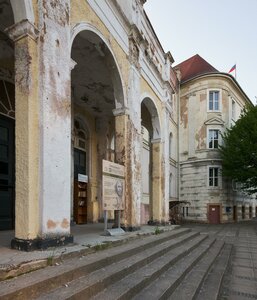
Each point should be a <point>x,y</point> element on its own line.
<point>220,100</point>
<point>219,177</point>
<point>213,140</point>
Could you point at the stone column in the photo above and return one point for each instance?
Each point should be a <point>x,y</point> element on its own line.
<point>24,34</point>
<point>55,122</point>
<point>157,180</point>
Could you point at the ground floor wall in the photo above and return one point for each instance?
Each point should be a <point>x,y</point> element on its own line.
<point>207,204</point>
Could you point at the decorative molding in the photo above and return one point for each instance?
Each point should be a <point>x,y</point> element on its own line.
<point>73,64</point>
<point>156,141</point>
<point>214,121</point>
<point>22,29</point>
<point>120,111</point>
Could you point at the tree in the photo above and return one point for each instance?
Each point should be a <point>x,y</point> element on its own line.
<point>239,151</point>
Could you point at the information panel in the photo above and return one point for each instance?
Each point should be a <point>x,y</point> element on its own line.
<point>113,186</point>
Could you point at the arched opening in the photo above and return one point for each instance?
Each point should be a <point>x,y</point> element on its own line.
<point>7,120</point>
<point>96,91</point>
<point>150,162</point>
<point>146,180</point>
<point>171,145</point>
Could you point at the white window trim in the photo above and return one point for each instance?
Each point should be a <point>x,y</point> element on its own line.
<point>208,133</point>
<point>220,99</point>
<point>219,177</point>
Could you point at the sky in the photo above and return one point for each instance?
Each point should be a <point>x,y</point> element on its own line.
<point>223,32</point>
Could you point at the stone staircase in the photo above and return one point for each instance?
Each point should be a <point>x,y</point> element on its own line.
<point>179,264</point>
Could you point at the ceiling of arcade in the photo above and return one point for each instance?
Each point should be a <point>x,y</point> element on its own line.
<point>6,14</point>
<point>92,85</point>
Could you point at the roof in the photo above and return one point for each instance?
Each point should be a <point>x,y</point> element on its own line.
<point>194,66</point>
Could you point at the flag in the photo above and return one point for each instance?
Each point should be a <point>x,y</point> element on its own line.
<point>232,69</point>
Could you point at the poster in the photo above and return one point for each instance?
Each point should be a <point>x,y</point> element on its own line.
<point>113,186</point>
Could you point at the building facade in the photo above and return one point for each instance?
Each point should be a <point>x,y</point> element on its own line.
<point>210,102</point>
<point>87,81</point>
<point>82,81</point>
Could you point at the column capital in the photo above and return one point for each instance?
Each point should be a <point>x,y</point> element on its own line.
<point>120,111</point>
<point>22,29</point>
<point>156,141</point>
<point>73,64</point>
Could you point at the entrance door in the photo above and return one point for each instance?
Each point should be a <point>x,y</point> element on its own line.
<point>7,166</point>
<point>214,214</point>
<point>235,213</point>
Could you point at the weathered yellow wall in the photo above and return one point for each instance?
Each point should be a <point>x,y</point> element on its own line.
<point>27,140</point>
<point>82,12</point>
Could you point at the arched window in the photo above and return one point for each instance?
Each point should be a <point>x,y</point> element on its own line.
<point>7,99</point>
<point>170,145</point>
<point>170,185</point>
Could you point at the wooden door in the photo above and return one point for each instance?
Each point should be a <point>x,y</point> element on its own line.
<point>7,167</point>
<point>235,213</point>
<point>214,214</point>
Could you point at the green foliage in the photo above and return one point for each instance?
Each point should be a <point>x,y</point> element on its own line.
<point>157,230</point>
<point>239,151</point>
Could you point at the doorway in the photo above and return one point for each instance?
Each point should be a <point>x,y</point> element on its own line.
<point>243,212</point>
<point>235,213</point>
<point>7,177</point>
<point>214,214</point>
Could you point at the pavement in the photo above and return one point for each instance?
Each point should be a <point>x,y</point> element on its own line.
<point>87,239</point>
<point>240,279</point>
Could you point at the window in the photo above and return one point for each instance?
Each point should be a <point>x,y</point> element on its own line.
<point>185,211</point>
<point>213,176</point>
<point>214,100</point>
<point>213,139</point>
<point>170,145</point>
<point>233,109</point>
<point>170,186</point>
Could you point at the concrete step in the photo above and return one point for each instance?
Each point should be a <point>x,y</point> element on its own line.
<point>132,284</point>
<point>30,286</point>
<point>168,281</point>
<point>212,283</point>
<point>190,285</point>
<point>89,285</point>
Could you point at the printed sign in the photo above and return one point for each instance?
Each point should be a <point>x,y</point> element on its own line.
<point>113,186</point>
<point>82,178</point>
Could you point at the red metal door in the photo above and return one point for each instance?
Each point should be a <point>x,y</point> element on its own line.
<point>214,214</point>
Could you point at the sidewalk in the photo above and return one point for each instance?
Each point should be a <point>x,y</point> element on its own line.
<point>87,239</point>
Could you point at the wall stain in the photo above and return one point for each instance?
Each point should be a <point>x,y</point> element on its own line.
<point>51,224</point>
<point>65,223</point>
<point>184,111</point>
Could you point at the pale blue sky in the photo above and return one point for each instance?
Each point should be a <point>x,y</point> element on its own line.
<point>223,32</point>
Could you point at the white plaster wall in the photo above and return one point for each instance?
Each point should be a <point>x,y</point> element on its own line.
<point>134,106</point>
<point>23,10</point>
<point>55,121</point>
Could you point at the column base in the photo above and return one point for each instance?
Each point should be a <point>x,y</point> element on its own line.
<point>40,244</point>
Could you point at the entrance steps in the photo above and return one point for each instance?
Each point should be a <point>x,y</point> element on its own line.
<point>180,263</point>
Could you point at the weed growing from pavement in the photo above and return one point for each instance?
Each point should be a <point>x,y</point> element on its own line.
<point>99,247</point>
<point>157,230</point>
